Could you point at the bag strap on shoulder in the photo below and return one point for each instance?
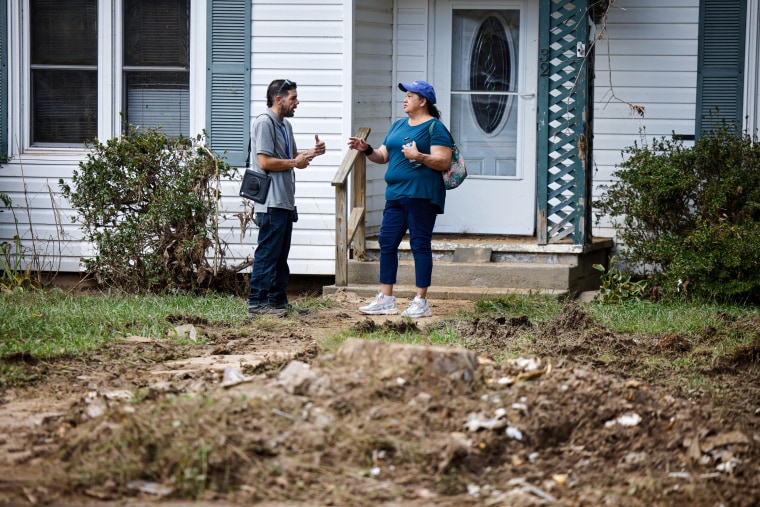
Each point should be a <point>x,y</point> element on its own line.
<point>248,158</point>
<point>430,131</point>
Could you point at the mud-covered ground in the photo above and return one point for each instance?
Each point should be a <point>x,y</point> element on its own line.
<point>262,416</point>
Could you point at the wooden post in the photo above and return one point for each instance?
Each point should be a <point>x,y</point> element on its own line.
<point>343,236</point>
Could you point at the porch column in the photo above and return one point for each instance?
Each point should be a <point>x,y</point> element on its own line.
<point>565,107</point>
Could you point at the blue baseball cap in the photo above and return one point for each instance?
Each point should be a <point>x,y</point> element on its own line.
<point>422,87</point>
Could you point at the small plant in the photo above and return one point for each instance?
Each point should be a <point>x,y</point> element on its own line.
<point>618,287</point>
<point>149,204</point>
<point>13,273</point>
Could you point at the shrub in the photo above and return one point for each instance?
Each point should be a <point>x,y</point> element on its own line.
<point>148,203</point>
<point>689,216</point>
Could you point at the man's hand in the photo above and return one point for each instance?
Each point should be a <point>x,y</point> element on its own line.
<point>318,149</point>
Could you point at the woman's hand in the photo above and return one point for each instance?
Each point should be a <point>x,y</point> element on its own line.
<point>411,152</point>
<point>439,158</point>
<point>378,155</point>
<point>356,143</point>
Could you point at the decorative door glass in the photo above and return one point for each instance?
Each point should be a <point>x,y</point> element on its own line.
<point>484,77</point>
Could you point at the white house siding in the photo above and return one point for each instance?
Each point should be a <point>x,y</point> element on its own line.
<point>647,57</point>
<point>50,241</point>
<point>373,84</point>
<point>302,41</point>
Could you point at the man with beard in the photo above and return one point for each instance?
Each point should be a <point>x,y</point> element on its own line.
<point>275,151</point>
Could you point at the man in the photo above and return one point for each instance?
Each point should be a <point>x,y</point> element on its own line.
<point>273,144</point>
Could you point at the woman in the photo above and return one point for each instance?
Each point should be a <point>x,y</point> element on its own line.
<point>417,150</point>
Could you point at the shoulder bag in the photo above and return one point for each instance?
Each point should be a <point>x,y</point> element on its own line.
<point>457,171</point>
<point>255,184</point>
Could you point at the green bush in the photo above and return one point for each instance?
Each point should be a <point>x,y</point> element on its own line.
<point>690,216</point>
<point>148,203</point>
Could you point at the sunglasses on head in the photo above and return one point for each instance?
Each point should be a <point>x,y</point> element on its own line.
<point>285,86</point>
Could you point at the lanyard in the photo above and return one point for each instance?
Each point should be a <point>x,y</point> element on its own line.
<point>287,141</point>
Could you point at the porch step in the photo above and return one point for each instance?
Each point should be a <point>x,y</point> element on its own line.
<point>471,267</point>
<point>483,275</point>
<point>437,292</point>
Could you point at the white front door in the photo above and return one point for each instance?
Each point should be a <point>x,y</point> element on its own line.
<point>484,71</point>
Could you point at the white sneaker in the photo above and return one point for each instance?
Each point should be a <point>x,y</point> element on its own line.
<point>382,305</point>
<point>417,308</point>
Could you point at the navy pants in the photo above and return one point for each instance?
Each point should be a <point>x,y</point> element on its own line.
<point>270,272</point>
<point>418,217</point>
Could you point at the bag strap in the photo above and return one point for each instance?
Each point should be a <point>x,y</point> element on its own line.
<point>430,131</point>
<point>274,140</point>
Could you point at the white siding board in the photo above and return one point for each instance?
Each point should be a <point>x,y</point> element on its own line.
<point>654,111</point>
<point>674,63</point>
<point>652,95</point>
<point>318,63</point>
<point>622,78</point>
<point>653,127</point>
<point>318,46</point>
<point>663,32</point>
<point>622,47</point>
<point>638,13</point>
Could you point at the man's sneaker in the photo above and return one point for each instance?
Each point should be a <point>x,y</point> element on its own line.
<point>255,311</point>
<point>382,305</point>
<point>417,308</point>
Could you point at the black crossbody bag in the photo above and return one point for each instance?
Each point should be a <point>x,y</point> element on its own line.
<point>255,184</point>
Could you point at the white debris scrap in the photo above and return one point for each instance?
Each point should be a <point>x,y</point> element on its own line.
<point>632,419</point>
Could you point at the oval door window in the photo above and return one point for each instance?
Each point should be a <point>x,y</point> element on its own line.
<point>491,70</point>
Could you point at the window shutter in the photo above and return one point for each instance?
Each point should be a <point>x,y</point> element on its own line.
<point>229,78</point>
<point>720,78</point>
<point>3,84</point>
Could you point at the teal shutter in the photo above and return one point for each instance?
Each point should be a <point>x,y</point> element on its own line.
<point>229,78</point>
<point>720,78</point>
<point>3,83</point>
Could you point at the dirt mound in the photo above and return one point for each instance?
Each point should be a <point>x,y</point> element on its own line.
<point>261,416</point>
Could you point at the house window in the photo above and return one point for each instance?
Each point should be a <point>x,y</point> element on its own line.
<point>64,71</point>
<point>68,86</point>
<point>157,64</point>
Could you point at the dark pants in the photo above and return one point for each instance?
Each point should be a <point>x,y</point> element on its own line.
<point>418,216</point>
<point>270,272</point>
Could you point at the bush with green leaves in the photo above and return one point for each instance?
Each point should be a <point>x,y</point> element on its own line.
<point>689,216</point>
<point>149,205</point>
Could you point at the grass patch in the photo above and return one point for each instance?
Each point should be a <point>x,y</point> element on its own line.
<point>679,317</point>
<point>48,323</point>
<point>538,308</point>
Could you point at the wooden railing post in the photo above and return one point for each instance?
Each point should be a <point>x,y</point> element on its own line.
<point>345,227</point>
<point>359,203</point>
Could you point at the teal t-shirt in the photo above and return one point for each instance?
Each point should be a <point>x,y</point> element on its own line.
<point>401,178</point>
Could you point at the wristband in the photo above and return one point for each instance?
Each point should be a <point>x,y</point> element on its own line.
<point>369,150</point>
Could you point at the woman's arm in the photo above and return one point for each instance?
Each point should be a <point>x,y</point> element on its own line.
<point>377,155</point>
<point>439,158</point>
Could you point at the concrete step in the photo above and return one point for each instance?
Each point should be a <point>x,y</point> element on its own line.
<point>438,292</point>
<point>470,267</point>
<point>514,275</point>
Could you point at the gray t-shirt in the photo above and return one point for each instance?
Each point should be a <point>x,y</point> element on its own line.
<point>270,136</point>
